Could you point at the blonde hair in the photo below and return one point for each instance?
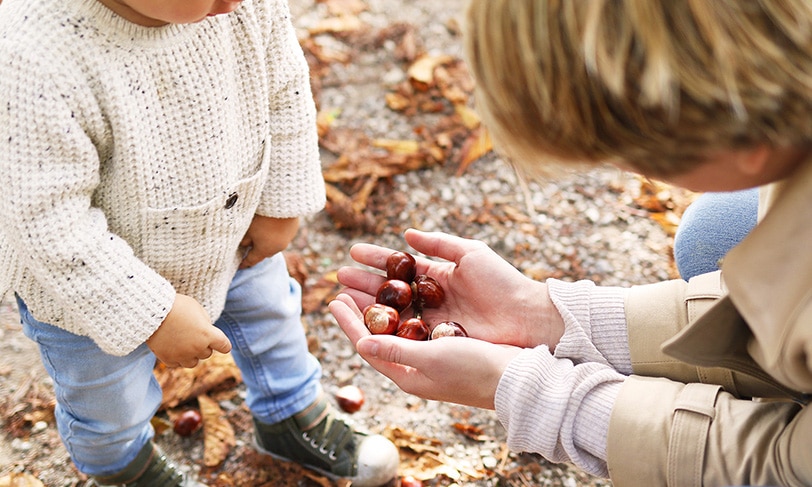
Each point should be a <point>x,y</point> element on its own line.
<point>654,84</point>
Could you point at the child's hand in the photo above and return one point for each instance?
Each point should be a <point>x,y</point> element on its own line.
<point>266,237</point>
<point>483,292</point>
<point>187,335</point>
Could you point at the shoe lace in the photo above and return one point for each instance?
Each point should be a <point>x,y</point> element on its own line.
<point>330,437</point>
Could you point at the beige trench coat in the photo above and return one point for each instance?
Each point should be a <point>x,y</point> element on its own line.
<point>723,366</point>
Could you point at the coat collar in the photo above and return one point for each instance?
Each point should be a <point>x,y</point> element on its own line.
<point>769,278</point>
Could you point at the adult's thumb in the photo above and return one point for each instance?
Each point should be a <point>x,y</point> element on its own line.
<point>384,348</point>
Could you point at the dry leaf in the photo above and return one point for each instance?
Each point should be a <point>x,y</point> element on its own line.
<point>182,384</point>
<point>338,7</point>
<point>472,432</point>
<point>20,480</point>
<point>470,118</point>
<point>297,267</point>
<point>218,434</point>
<point>405,147</point>
<point>421,72</point>
<point>339,24</point>
<point>476,146</point>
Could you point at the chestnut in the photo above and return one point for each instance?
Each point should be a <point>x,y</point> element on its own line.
<point>401,266</point>
<point>350,398</point>
<point>428,292</point>
<point>448,329</point>
<point>394,293</point>
<point>381,319</point>
<point>187,422</point>
<point>413,329</point>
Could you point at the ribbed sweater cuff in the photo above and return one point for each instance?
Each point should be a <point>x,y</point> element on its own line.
<point>595,323</point>
<point>558,409</point>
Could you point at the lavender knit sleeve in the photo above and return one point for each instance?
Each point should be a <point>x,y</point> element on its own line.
<point>557,408</point>
<point>595,323</point>
<point>558,405</point>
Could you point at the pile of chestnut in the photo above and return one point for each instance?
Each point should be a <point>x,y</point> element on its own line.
<point>402,289</point>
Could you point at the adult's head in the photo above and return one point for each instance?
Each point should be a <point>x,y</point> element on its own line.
<point>655,85</point>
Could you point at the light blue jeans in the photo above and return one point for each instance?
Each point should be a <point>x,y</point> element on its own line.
<point>712,225</point>
<point>105,403</point>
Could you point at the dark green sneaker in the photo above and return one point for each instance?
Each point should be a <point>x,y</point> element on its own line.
<point>150,468</point>
<point>316,439</point>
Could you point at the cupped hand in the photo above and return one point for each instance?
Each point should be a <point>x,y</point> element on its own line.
<point>187,335</point>
<point>483,292</point>
<point>452,369</point>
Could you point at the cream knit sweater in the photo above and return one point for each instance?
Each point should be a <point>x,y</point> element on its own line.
<point>133,159</point>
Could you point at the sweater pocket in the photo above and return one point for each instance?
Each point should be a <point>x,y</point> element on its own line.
<point>197,248</point>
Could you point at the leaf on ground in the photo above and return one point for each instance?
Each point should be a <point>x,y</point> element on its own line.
<point>422,457</point>
<point>182,384</point>
<point>218,434</point>
<point>297,268</point>
<point>338,24</point>
<point>20,480</point>
<point>31,402</point>
<point>476,146</point>
<point>664,203</point>
<point>342,7</point>
<point>472,432</point>
<point>317,295</point>
<point>421,72</point>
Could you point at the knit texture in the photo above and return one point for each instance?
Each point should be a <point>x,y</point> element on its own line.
<point>133,159</point>
<point>559,405</point>
<point>594,323</point>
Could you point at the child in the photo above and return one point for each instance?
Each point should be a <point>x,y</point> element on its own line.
<point>155,159</point>
<point>661,384</point>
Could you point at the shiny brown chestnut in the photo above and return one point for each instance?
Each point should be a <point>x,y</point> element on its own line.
<point>413,329</point>
<point>448,329</point>
<point>350,398</point>
<point>187,422</point>
<point>427,292</point>
<point>401,266</point>
<point>381,319</point>
<point>394,293</point>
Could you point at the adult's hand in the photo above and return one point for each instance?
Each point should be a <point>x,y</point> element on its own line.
<point>483,292</point>
<point>452,369</point>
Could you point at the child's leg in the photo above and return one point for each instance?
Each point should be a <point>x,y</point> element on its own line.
<point>710,227</point>
<point>262,318</point>
<point>292,419</point>
<point>104,403</point>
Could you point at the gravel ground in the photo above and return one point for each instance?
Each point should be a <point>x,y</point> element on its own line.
<point>577,226</point>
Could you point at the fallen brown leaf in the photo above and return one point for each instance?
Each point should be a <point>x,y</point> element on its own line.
<point>218,434</point>
<point>182,384</point>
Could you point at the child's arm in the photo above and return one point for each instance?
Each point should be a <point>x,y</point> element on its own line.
<point>187,336</point>
<point>267,236</point>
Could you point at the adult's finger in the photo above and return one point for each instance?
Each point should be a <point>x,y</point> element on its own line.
<point>442,245</point>
<point>360,279</point>
<point>370,254</point>
<point>349,318</point>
